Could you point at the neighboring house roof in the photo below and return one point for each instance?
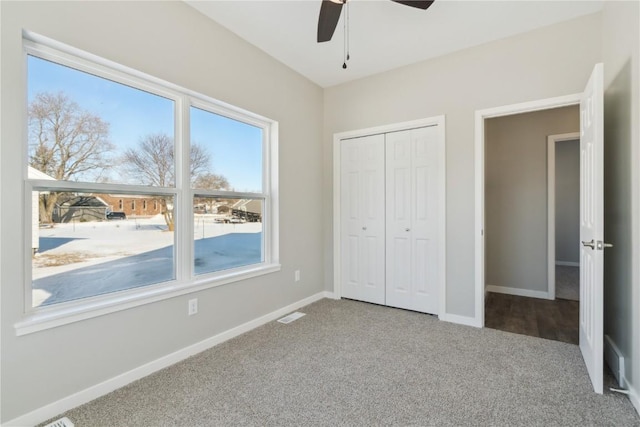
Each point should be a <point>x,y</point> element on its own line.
<point>135,196</point>
<point>85,202</point>
<point>36,174</point>
<point>250,205</point>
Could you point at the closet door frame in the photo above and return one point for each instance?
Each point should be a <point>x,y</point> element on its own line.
<point>438,121</point>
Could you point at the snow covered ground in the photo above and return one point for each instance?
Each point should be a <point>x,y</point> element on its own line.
<point>78,260</point>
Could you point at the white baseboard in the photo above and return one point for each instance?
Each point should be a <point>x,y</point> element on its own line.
<point>51,410</point>
<point>331,295</point>
<point>568,263</point>
<point>634,397</point>
<point>461,320</point>
<point>519,292</point>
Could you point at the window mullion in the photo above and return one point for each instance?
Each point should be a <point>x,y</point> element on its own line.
<point>184,223</point>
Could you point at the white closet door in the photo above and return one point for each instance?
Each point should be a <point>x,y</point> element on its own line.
<point>411,219</point>
<point>362,201</point>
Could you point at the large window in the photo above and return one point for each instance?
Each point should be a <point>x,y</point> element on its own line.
<point>125,197</point>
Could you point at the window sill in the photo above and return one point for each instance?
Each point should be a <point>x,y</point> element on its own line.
<point>52,317</point>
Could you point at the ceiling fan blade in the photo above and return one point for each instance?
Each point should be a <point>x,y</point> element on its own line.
<point>424,5</point>
<point>328,20</point>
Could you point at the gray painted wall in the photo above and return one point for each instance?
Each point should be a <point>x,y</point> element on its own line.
<point>172,41</point>
<point>621,56</point>
<point>188,49</point>
<point>567,201</point>
<point>516,195</point>
<point>552,61</point>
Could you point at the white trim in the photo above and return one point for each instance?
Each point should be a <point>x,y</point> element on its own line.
<point>461,320</point>
<point>480,116</point>
<point>51,410</point>
<point>519,292</point>
<point>394,127</point>
<point>330,295</point>
<point>442,215</point>
<point>634,397</point>
<point>551,216</point>
<point>87,308</point>
<point>568,263</point>
<point>551,206</point>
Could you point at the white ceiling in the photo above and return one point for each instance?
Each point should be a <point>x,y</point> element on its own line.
<point>383,34</point>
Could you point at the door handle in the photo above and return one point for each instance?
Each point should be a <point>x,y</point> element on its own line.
<point>591,244</point>
<point>599,245</point>
<point>364,228</point>
<point>407,229</point>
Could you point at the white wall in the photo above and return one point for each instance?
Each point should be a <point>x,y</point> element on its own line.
<point>621,55</point>
<point>172,41</point>
<point>548,62</point>
<point>516,195</point>
<point>567,201</point>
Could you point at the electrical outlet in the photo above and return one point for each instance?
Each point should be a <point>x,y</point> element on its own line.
<point>297,275</point>
<point>193,306</point>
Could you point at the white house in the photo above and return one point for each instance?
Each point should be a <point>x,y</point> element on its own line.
<point>35,208</point>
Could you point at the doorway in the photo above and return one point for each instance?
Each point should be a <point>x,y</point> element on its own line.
<point>519,207</point>
<point>591,323</point>
<point>563,180</point>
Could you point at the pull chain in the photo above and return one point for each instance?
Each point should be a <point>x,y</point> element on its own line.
<point>345,36</point>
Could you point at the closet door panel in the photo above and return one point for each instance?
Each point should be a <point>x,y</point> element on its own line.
<point>424,219</point>
<point>362,219</point>
<point>399,211</point>
<point>411,178</point>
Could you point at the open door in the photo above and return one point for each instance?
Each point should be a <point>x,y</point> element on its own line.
<point>592,227</point>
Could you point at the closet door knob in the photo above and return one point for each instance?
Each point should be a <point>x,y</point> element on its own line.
<point>364,228</point>
<point>407,229</point>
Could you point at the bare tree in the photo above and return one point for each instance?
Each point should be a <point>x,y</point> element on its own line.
<point>66,143</point>
<point>152,162</point>
<point>211,181</point>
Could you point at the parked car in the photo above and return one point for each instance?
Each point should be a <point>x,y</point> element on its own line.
<point>116,215</point>
<point>236,220</point>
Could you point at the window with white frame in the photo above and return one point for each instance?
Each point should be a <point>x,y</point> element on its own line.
<point>99,133</point>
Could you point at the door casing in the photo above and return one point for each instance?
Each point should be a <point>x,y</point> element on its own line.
<point>551,207</point>
<point>438,121</point>
<point>479,152</point>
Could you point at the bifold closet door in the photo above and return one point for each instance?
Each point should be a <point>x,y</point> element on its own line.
<point>411,219</point>
<point>362,219</point>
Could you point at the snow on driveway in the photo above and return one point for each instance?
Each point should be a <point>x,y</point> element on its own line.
<point>94,258</point>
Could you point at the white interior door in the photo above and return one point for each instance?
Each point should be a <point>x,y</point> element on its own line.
<point>411,219</point>
<point>592,226</point>
<point>362,219</point>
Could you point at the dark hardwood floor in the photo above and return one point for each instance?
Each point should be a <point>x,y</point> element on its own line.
<point>551,319</point>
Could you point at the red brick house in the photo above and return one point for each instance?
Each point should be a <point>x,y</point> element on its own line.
<point>132,205</point>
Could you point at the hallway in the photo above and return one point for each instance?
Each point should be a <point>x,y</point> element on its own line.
<point>551,319</point>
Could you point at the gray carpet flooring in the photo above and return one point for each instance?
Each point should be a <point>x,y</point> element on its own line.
<point>568,282</point>
<point>349,363</point>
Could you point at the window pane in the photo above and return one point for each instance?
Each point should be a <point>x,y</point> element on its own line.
<point>226,154</point>
<point>90,248</point>
<point>227,233</point>
<point>89,129</point>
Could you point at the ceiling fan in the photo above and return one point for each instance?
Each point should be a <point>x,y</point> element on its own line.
<point>331,9</point>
